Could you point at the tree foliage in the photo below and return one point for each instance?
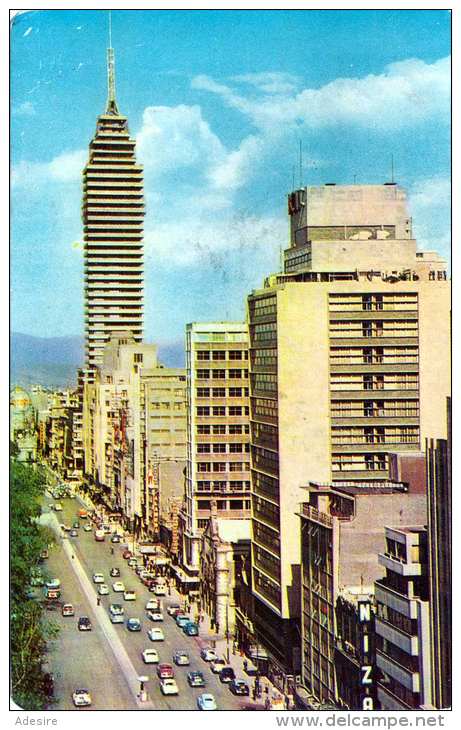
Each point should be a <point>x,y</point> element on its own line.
<point>29,630</point>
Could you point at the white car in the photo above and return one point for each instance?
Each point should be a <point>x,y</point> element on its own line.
<point>153,604</point>
<point>156,635</point>
<point>155,615</point>
<point>160,590</point>
<point>103,589</point>
<point>118,587</point>
<point>208,655</point>
<point>150,656</point>
<point>81,698</point>
<point>206,702</point>
<point>87,528</point>
<point>58,507</point>
<point>129,595</point>
<point>217,665</point>
<point>98,578</point>
<point>168,686</point>
<point>173,608</point>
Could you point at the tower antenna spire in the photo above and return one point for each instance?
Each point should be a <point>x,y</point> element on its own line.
<point>111,102</point>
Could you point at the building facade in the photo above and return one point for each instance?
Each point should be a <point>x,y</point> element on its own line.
<point>218,438</point>
<point>402,625</point>
<point>349,348</point>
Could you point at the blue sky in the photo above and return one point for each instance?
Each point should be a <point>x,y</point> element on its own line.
<point>218,101</point>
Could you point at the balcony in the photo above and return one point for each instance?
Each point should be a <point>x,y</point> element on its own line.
<point>314,515</point>
<point>398,565</point>
<point>391,598</point>
<point>401,674</point>
<point>408,644</point>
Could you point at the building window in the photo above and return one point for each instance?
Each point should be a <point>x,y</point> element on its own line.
<point>235,374</point>
<point>219,392</point>
<point>203,411</point>
<point>203,448</point>
<point>203,392</point>
<point>203,374</point>
<point>219,428</point>
<point>219,448</point>
<point>219,410</point>
<point>219,466</point>
<point>219,354</point>
<point>203,355</point>
<point>138,357</point>
<point>235,355</point>
<point>218,374</point>
<point>235,448</point>
<point>235,392</point>
<point>203,429</point>
<point>235,428</point>
<point>235,410</point>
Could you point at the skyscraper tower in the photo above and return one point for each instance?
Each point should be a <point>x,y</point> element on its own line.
<point>113,212</point>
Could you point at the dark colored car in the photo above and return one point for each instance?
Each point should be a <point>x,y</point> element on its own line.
<point>226,675</point>
<point>133,624</point>
<point>84,624</point>
<point>190,629</point>
<point>196,679</point>
<point>114,572</point>
<point>239,687</point>
<point>127,554</point>
<point>115,539</point>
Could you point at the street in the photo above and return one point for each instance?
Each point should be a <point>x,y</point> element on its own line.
<point>87,659</point>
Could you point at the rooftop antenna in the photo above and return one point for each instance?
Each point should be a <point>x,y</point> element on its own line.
<point>111,103</point>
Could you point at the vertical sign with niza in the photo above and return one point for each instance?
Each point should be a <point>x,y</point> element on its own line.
<point>366,656</point>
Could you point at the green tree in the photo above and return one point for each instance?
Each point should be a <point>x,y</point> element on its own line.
<point>29,630</point>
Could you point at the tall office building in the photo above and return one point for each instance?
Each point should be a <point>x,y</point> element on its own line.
<point>218,467</point>
<point>113,212</point>
<point>349,362</point>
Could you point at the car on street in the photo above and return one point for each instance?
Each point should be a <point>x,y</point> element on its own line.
<point>150,656</point>
<point>127,554</point>
<point>181,658</point>
<point>133,624</point>
<point>99,535</point>
<point>155,615</point>
<point>208,654</point>
<point>239,687</point>
<point>103,589</point>
<point>165,670</point>
<point>81,698</point>
<point>132,562</point>
<point>169,687</point>
<point>66,528</point>
<point>217,665</point>
<point>160,590</point>
<point>226,675</point>
<point>156,635</point>
<point>190,629</point>
<point>114,572</point>
<point>58,507</point>
<point>116,613</point>
<point>76,525</point>
<point>98,578</point>
<point>73,533</point>
<point>44,555</point>
<point>87,528</point>
<point>182,620</point>
<point>129,595</point>
<point>196,679</point>
<point>67,610</point>
<point>84,624</point>
<point>118,587</point>
<point>153,604</point>
<point>115,539</point>
<point>53,583</point>
<point>206,702</point>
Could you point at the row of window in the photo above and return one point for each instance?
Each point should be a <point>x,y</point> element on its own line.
<point>223,410</point>
<point>222,448</point>
<point>373,302</point>
<point>222,355</point>
<point>266,356</point>
<point>266,561</point>
<point>262,307</point>
<point>375,381</point>
<point>222,392</point>
<point>376,435</point>
<point>266,587</point>
<point>222,428</point>
<point>373,355</point>
<point>264,331</point>
<point>359,462</point>
<point>374,328</point>
<point>375,409</point>
<point>263,407</point>
<point>206,486</point>
<point>231,374</point>
<point>222,466</point>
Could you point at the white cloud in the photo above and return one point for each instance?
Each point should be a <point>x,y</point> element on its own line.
<point>270,82</point>
<point>430,206</point>
<point>405,93</point>
<point>66,167</point>
<point>26,109</point>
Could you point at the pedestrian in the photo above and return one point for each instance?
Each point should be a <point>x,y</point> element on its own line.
<point>287,702</point>
<point>112,551</point>
<point>72,556</point>
<point>267,704</point>
<point>98,601</point>
<point>245,666</point>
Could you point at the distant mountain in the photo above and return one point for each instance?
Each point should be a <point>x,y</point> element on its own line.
<point>53,361</point>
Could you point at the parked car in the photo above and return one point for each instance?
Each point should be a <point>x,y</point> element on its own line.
<point>218,664</point>
<point>53,583</point>
<point>127,554</point>
<point>81,698</point>
<point>87,528</point>
<point>156,635</point>
<point>103,589</point>
<point>182,620</point>
<point>118,587</point>
<point>129,595</point>
<point>73,533</point>
<point>196,679</point>
<point>76,524</point>
<point>208,654</point>
<point>190,629</point>
<point>226,675</point>
<point>133,624</point>
<point>165,670</point>
<point>115,539</point>
<point>132,562</point>
<point>239,687</point>
<point>181,658</point>
<point>169,687</point>
<point>98,578</point>
<point>160,590</point>
<point>84,624</point>
<point>173,609</point>
<point>150,656</point>
<point>206,702</point>
<point>114,572</point>
<point>67,610</point>
<point>58,507</point>
<point>155,615</point>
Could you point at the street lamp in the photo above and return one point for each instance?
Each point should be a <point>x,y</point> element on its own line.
<point>227,631</point>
